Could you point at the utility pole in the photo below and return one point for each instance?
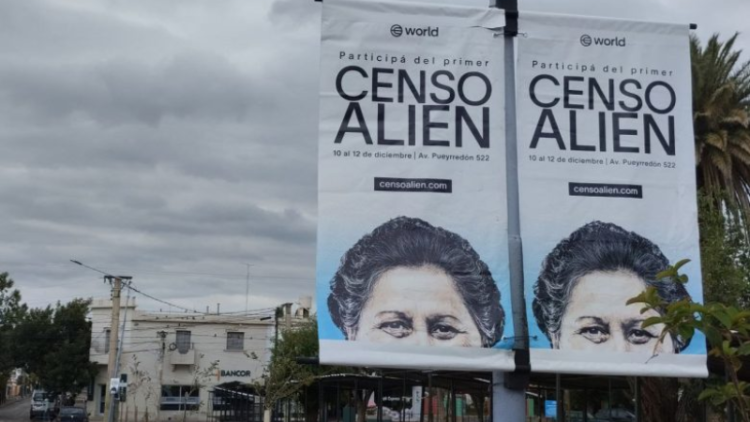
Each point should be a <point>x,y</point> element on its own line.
<point>114,330</point>
<point>115,346</point>
<point>163,336</point>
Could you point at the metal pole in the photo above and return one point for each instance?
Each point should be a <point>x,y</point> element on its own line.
<point>507,405</point>
<point>609,397</point>
<point>515,246</point>
<point>430,393</point>
<point>321,403</point>
<point>403,399</point>
<point>637,399</point>
<point>379,403</point>
<point>558,398</point>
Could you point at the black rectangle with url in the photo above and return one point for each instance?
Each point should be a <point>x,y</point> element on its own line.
<point>605,190</point>
<point>392,184</point>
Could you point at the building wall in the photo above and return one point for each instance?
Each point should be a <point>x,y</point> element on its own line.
<point>151,362</point>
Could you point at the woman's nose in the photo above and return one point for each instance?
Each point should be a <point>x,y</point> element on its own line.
<point>618,342</point>
<point>418,338</point>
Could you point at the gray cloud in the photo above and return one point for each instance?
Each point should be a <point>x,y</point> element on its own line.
<point>176,140</point>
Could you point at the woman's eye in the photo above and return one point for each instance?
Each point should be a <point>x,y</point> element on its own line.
<point>398,329</point>
<point>444,331</point>
<point>595,334</point>
<point>638,336</point>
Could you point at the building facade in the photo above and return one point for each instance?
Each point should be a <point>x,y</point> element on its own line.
<point>170,362</point>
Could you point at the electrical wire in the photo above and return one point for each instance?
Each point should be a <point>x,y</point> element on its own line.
<point>136,290</point>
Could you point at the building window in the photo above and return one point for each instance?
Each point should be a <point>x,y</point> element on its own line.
<point>235,341</point>
<point>107,335</point>
<point>183,341</point>
<point>180,397</point>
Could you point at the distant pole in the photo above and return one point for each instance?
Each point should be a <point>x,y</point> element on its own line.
<point>247,286</point>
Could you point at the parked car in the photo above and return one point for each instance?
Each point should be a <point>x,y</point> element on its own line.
<point>72,414</point>
<point>41,405</point>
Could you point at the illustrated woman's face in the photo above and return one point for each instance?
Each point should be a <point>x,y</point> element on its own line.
<point>416,306</point>
<point>597,318</point>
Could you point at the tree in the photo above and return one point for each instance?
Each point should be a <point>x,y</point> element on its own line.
<point>67,366</point>
<point>54,345</point>
<point>725,253</point>
<point>721,96</point>
<point>11,310</point>
<point>283,377</point>
<point>727,330</point>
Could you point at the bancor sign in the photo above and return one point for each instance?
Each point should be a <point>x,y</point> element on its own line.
<point>232,373</point>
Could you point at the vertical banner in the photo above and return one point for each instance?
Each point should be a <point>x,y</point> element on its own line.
<point>608,196</point>
<point>412,229</point>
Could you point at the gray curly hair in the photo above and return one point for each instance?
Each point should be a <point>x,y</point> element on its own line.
<point>411,242</point>
<point>605,247</point>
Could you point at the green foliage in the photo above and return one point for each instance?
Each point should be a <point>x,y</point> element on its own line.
<point>721,95</point>
<point>11,309</point>
<point>726,327</point>
<point>725,252</point>
<point>54,345</point>
<point>283,376</point>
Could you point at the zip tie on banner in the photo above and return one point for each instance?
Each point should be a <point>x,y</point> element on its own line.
<point>501,31</point>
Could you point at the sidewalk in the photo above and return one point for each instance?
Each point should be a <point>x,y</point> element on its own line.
<point>11,400</point>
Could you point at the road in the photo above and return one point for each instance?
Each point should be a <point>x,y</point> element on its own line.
<point>15,412</point>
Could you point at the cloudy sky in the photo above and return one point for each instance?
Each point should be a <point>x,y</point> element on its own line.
<point>175,141</point>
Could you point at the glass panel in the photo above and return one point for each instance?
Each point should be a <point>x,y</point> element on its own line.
<point>183,341</point>
<point>235,341</point>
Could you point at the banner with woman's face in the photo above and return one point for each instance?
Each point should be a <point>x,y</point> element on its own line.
<point>412,228</point>
<point>608,196</point>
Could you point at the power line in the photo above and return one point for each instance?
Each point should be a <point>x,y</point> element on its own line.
<point>130,286</point>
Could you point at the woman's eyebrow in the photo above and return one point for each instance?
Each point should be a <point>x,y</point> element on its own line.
<point>632,323</point>
<point>442,317</point>
<point>397,314</point>
<point>594,318</point>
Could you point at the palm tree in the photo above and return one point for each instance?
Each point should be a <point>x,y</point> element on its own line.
<point>721,104</point>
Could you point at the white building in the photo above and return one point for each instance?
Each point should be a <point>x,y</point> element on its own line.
<point>165,354</point>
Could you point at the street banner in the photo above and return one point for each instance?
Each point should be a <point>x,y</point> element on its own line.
<point>412,228</point>
<point>607,192</point>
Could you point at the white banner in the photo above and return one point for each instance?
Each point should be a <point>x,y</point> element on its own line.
<point>412,229</point>
<point>608,196</point>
